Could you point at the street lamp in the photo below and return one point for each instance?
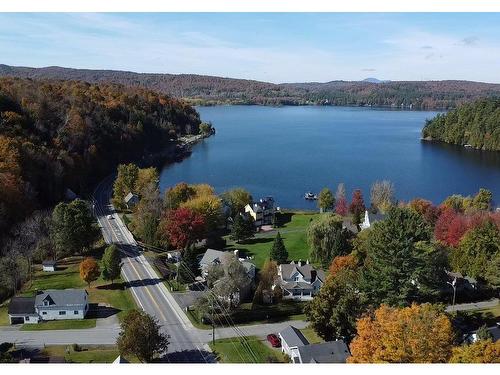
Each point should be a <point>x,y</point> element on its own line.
<point>453,285</point>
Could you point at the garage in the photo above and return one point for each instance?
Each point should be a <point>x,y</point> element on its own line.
<point>16,320</point>
<point>22,310</point>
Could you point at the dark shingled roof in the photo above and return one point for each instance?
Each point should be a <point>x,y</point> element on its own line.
<point>327,352</point>
<point>22,306</point>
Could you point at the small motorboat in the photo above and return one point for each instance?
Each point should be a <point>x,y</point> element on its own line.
<point>310,196</point>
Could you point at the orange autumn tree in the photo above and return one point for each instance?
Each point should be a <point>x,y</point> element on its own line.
<point>89,270</point>
<point>342,262</point>
<point>482,351</point>
<point>415,334</point>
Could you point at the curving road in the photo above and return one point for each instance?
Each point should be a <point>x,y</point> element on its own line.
<point>149,292</point>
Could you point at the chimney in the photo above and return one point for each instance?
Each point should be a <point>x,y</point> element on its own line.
<point>236,253</point>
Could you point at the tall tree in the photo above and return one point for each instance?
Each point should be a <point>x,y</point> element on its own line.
<point>425,208</point>
<point>141,336</point>
<point>477,249</point>
<point>482,200</point>
<point>243,228</point>
<point>382,195</point>
<point>145,178</point>
<point>415,334</point>
<point>236,199</point>
<point>268,277</point>
<point>395,265</point>
<point>124,183</point>
<point>147,214</point>
<point>178,194</point>
<point>73,228</point>
<point>181,227</point>
<point>333,311</point>
<point>341,202</point>
<point>327,239</point>
<point>188,267</point>
<point>209,206</point>
<point>326,201</point>
<point>111,263</point>
<point>278,251</point>
<point>357,207</point>
<point>89,270</point>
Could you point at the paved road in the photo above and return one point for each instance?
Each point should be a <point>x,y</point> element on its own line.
<point>148,291</point>
<point>474,306</point>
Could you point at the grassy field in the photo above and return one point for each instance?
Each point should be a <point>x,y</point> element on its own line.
<point>311,336</point>
<point>68,276</point>
<point>292,228</point>
<point>233,350</point>
<point>102,354</point>
<point>60,324</point>
<point>4,317</point>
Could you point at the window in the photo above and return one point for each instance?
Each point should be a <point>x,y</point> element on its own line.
<point>75,312</point>
<point>62,312</point>
<point>296,278</point>
<point>27,318</point>
<point>45,303</point>
<point>44,312</point>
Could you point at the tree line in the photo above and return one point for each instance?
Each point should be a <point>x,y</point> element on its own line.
<point>476,124</point>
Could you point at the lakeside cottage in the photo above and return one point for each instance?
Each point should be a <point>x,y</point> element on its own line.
<point>262,211</point>
<point>131,200</point>
<point>51,304</point>
<point>300,281</point>
<point>295,345</point>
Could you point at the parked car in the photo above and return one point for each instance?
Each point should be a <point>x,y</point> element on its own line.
<point>274,340</point>
<point>109,217</point>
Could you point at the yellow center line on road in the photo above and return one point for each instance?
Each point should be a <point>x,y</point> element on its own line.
<point>139,277</point>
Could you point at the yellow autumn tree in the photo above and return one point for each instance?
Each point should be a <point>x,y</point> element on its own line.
<point>89,270</point>
<point>482,351</point>
<point>415,334</point>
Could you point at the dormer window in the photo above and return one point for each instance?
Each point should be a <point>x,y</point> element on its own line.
<point>296,278</point>
<point>46,303</point>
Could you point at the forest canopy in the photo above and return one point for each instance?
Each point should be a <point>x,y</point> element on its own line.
<point>476,124</point>
<point>58,135</point>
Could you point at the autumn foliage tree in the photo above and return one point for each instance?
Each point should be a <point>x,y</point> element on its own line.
<point>426,209</point>
<point>341,202</point>
<point>181,227</point>
<point>89,270</point>
<point>357,207</point>
<point>482,351</point>
<point>415,334</point>
<point>343,262</point>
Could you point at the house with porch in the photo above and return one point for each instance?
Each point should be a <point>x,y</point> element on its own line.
<point>300,281</point>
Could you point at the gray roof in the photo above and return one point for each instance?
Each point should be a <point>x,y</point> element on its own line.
<point>22,306</point>
<point>297,285</point>
<point>327,352</point>
<point>61,298</point>
<point>293,337</point>
<point>212,256</point>
<point>49,263</point>
<point>306,270</point>
<point>129,197</point>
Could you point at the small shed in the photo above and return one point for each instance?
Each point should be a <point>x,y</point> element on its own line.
<point>49,265</point>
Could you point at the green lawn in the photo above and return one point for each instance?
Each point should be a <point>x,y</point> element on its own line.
<point>104,354</point>
<point>4,317</point>
<point>60,324</point>
<point>234,350</point>
<point>68,276</point>
<point>311,336</point>
<point>292,230</point>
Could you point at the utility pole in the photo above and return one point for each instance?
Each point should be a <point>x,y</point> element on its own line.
<point>213,324</point>
<point>453,285</point>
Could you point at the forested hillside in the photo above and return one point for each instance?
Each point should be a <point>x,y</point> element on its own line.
<point>56,135</point>
<point>476,124</point>
<point>206,90</point>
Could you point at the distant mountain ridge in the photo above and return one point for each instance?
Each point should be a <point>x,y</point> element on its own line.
<point>375,80</point>
<point>209,90</point>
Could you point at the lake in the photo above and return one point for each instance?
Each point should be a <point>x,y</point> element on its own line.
<point>287,151</point>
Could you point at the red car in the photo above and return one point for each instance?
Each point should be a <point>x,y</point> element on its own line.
<point>274,340</point>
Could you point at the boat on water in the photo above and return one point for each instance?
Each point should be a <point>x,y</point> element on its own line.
<point>310,196</point>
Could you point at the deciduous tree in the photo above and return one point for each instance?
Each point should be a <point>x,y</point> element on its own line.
<point>236,199</point>
<point>482,351</point>
<point>141,336</point>
<point>111,263</point>
<point>326,201</point>
<point>178,194</point>
<point>357,207</point>
<point>89,270</point>
<point>415,334</point>
<point>382,195</point>
<point>341,202</point>
<point>124,183</point>
<point>341,263</point>
<point>181,227</point>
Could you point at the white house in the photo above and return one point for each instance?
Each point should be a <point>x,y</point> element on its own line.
<point>262,211</point>
<point>300,281</point>
<point>49,265</point>
<point>131,200</point>
<point>370,219</point>
<point>291,339</point>
<point>51,304</point>
<point>296,346</point>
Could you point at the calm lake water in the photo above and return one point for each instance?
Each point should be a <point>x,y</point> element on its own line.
<point>287,151</point>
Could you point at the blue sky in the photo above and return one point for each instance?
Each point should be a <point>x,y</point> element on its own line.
<point>274,47</point>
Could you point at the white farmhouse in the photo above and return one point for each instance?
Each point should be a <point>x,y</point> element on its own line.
<point>51,304</point>
<point>300,281</point>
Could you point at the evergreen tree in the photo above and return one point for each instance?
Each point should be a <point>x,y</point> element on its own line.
<point>243,228</point>
<point>278,251</point>
<point>188,267</point>
<point>111,263</point>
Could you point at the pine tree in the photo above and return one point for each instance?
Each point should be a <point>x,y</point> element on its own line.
<point>188,267</point>
<point>243,228</point>
<point>278,251</point>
